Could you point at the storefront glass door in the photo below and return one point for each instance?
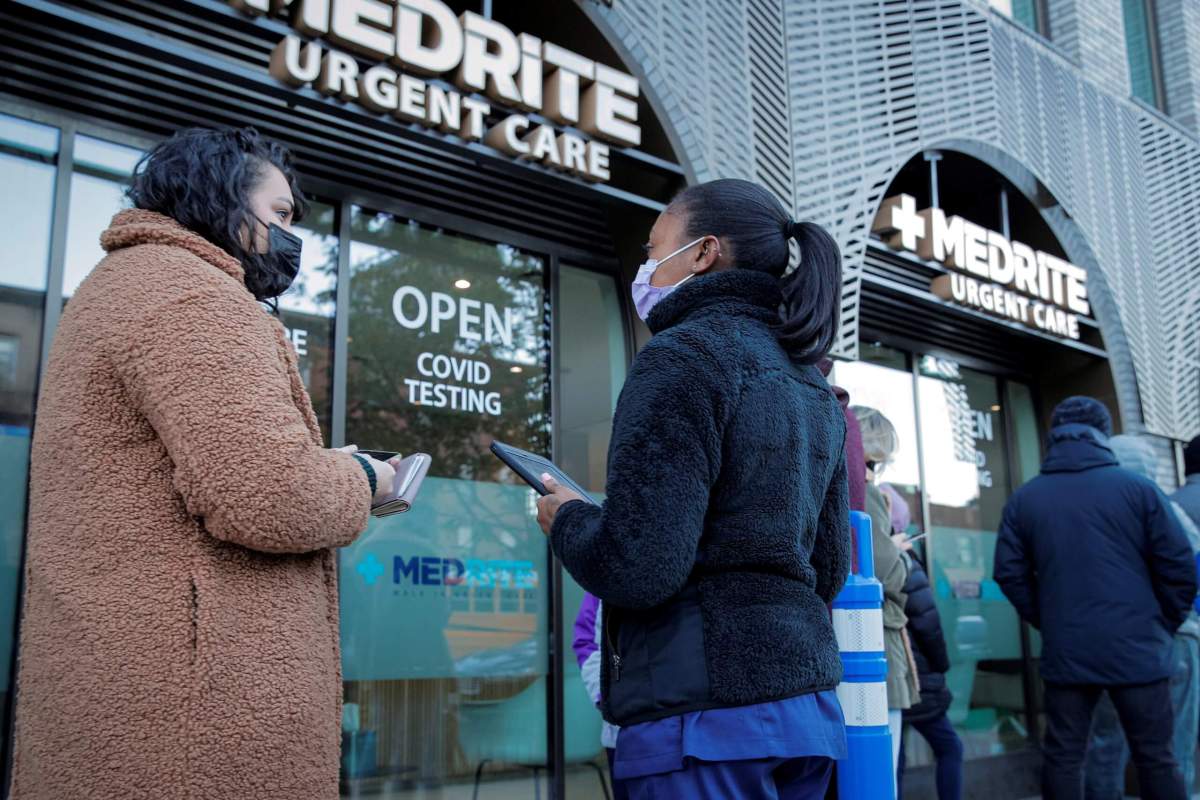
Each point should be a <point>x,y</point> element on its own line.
<point>966,440</point>
<point>444,609</point>
<point>963,434</point>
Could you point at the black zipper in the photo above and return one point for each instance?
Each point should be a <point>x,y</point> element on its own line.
<point>615,657</point>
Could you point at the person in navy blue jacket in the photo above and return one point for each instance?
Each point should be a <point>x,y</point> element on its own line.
<point>1092,556</point>
<point>725,532</point>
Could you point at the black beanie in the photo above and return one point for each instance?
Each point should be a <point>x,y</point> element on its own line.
<point>1191,457</point>
<point>1082,411</point>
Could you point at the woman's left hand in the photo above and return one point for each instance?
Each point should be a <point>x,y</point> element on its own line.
<point>548,505</point>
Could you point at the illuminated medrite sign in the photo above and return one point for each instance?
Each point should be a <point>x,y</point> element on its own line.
<point>988,271</point>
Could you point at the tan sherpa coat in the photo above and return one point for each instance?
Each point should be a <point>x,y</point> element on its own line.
<point>180,633</point>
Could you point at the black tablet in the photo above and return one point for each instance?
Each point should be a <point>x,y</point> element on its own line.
<point>531,467</point>
<point>379,455</point>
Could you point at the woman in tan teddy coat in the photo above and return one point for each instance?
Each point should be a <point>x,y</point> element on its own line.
<point>180,630</point>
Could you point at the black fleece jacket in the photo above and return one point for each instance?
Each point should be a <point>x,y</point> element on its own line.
<point>725,530</point>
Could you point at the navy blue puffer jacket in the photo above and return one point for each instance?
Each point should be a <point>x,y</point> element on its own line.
<point>1092,555</point>
<point>725,531</point>
<point>928,646</point>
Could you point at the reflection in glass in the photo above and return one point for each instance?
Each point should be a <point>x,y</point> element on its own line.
<point>1025,12</point>
<point>591,371</point>
<point>1027,463</point>
<point>963,440</point>
<point>881,380</point>
<point>107,156</point>
<point>102,172</point>
<point>448,347</point>
<point>444,609</point>
<point>1027,439</point>
<point>94,201</point>
<point>307,308</point>
<point>25,217</point>
<point>28,136</point>
<point>1138,49</point>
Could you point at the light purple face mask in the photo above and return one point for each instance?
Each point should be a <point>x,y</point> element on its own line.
<point>645,296</point>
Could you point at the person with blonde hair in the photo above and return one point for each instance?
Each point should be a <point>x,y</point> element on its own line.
<point>880,445</point>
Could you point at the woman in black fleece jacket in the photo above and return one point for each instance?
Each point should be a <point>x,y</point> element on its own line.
<point>724,535</point>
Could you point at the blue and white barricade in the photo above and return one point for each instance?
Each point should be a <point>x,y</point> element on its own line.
<point>866,773</point>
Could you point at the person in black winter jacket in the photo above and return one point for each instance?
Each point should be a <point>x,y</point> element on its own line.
<point>928,717</point>
<point>725,532</point>
<point>1092,555</point>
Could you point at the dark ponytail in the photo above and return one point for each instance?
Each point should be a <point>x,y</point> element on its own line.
<point>756,228</point>
<point>812,295</point>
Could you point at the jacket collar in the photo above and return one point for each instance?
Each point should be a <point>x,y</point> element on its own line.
<point>740,292</point>
<point>136,226</point>
<point>1075,448</point>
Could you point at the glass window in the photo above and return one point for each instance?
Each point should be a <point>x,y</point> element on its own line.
<point>1027,463</point>
<point>966,470</point>
<point>94,201</point>
<point>1140,43</point>
<point>107,156</point>
<point>444,609</point>
<point>592,364</point>
<point>881,380</point>
<point>26,219</point>
<point>307,308</point>
<point>27,136</point>
<point>1027,439</point>
<point>591,371</point>
<point>102,172</point>
<point>1025,13</point>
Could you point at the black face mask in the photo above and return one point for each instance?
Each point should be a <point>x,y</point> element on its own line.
<point>281,262</point>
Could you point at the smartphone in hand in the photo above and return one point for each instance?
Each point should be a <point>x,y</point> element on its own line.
<point>410,472</point>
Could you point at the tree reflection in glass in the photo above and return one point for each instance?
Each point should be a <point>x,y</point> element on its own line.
<point>448,347</point>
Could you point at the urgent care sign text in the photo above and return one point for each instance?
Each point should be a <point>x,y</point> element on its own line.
<point>988,271</point>
<point>407,39</point>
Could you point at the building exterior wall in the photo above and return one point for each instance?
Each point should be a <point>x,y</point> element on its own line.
<point>1092,34</point>
<point>870,84</point>
<point>1179,23</point>
<point>822,101</point>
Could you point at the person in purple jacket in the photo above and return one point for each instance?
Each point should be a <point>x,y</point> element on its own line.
<point>588,630</point>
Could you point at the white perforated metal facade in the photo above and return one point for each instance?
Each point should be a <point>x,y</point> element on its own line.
<point>872,83</point>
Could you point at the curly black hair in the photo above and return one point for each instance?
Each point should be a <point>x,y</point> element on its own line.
<point>203,178</point>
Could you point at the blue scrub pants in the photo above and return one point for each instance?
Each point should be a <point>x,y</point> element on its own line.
<point>757,779</point>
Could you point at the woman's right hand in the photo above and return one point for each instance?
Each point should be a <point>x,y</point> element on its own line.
<point>385,472</point>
